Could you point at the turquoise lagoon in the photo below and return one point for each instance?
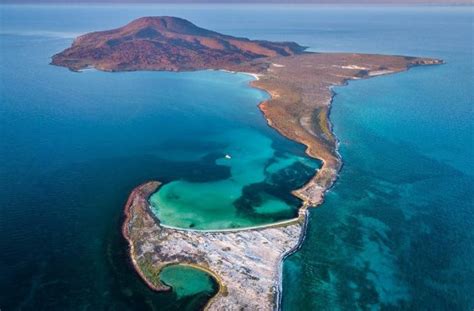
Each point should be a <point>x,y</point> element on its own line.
<point>80,142</point>
<point>188,281</point>
<point>395,232</point>
<point>250,196</point>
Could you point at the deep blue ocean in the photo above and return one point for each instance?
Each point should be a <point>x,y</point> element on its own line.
<point>395,232</point>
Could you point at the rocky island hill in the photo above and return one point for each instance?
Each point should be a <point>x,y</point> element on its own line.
<point>245,262</point>
<point>166,43</point>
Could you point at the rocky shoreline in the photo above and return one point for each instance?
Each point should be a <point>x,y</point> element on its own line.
<point>246,262</point>
<point>252,258</point>
<point>301,95</point>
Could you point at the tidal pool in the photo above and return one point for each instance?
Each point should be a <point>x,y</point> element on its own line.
<point>188,281</point>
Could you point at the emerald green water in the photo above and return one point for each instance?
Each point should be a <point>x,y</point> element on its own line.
<point>188,281</point>
<point>229,202</point>
<point>395,232</point>
<point>75,144</point>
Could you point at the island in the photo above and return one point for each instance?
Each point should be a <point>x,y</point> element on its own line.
<point>246,262</point>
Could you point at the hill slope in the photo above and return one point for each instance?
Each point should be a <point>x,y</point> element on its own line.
<point>166,43</point>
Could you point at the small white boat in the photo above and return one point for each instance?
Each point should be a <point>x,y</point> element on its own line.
<point>227,156</point>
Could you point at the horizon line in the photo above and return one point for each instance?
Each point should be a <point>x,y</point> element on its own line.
<point>247,2</point>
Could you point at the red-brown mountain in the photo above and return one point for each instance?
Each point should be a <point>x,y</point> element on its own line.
<point>166,43</point>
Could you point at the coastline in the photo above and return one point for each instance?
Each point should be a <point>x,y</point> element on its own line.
<point>252,260</point>
<point>335,164</point>
<point>316,148</point>
<point>298,108</point>
<point>128,213</point>
<point>279,293</point>
<point>142,194</point>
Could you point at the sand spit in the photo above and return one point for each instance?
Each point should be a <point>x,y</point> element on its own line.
<point>247,262</point>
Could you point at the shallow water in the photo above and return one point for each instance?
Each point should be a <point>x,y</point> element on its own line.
<point>394,233</point>
<point>188,281</point>
<point>75,144</point>
<point>249,196</point>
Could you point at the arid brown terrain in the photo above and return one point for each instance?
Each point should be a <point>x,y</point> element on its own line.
<point>246,262</point>
<point>165,43</point>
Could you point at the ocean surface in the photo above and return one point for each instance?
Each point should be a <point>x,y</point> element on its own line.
<point>395,231</point>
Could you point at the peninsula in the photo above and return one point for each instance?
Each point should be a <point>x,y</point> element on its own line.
<point>246,262</point>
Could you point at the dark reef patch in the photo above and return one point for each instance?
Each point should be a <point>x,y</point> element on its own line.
<point>279,185</point>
